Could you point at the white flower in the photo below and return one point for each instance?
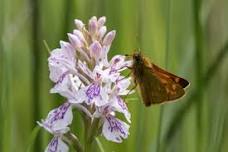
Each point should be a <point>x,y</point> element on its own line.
<point>68,87</point>
<point>90,82</point>
<point>58,119</point>
<point>57,145</point>
<point>115,129</point>
<point>119,64</point>
<point>61,61</point>
<point>119,105</point>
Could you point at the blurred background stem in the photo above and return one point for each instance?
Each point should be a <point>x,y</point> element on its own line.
<point>206,78</point>
<point>195,33</point>
<point>36,67</point>
<point>160,144</point>
<point>3,86</point>
<point>198,32</point>
<point>73,140</point>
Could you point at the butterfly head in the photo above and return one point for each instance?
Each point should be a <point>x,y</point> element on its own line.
<point>137,57</point>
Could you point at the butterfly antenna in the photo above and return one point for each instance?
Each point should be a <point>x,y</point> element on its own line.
<point>139,50</point>
<point>46,46</point>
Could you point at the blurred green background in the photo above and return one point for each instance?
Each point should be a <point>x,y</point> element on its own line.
<point>187,37</point>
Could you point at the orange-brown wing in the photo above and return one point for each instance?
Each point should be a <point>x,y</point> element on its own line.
<point>159,87</point>
<point>184,83</point>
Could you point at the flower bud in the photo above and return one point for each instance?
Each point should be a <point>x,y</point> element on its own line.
<point>95,50</point>
<point>93,25</point>
<point>109,38</point>
<point>66,45</point>
<point>79,35</point>
<point>101,21</point>
<point>79,24</point>
<point>102,32</point>
<point>74,40</point>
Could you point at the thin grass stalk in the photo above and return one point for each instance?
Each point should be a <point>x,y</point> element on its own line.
<point>222,138</point>
<point>36,67</point>
<point>198,32</point>
<point>162,109</point>
<point>219,120</point>
<point>6,79</point>
<point>70,138</point>
<point>206,79</point>
<point>99,144</point>
<point>5,99</point>
<point>220,131</point>
<point>68,10</point>
<point>2,89</point>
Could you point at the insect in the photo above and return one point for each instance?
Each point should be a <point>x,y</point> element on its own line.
<point>155,84</point>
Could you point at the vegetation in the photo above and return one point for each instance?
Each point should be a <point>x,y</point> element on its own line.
<point>189,38</point>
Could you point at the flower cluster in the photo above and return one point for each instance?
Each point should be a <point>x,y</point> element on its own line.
<point>82,73</point>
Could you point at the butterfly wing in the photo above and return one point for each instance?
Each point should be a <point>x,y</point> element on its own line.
<point>160,86</point>
<point>184,83</point>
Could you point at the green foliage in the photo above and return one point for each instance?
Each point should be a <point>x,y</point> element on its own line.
<point>186,37</point>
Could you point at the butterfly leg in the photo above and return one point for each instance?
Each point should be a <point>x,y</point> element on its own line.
<point>133,88</point>
<point>128,74</point>
<point>135,85</point>
<point>125,76</point>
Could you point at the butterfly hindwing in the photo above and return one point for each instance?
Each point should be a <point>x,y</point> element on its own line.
<point>151,89</point>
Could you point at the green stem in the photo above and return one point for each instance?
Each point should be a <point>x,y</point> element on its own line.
<point>3,73</point>
<point>74,141</point>
<point>199,68</point>
<point>87,124</point>
<point>100,145</point>
<point>91,131</point>
<point>36,66</point>
<point>94,129</point>
<point>160,145</point>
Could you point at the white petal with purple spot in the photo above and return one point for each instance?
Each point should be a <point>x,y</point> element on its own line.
<point>114,129</point>
<point>57,145</point>
<point>58,119</point>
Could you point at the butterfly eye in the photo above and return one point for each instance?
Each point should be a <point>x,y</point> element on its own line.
<point>137,58</point>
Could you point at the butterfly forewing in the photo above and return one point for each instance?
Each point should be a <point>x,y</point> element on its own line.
<point>184,83</point>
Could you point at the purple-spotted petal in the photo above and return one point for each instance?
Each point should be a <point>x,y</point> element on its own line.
<point>80,96</point>
<point>114,129</point>
<point>107,75</point>
<point>57,145</point>
<point>85,69</point>
<point>119,105</point>
<point>118,63</point>
<point>60,61</point>
<point>96,94</point>
<point>69,87</point>
<point>93,91</point>
<point>57,72</point>
<point>58,119</point>
<point>102,99</point>
<point>123,85</point>
<point>64,87</point>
